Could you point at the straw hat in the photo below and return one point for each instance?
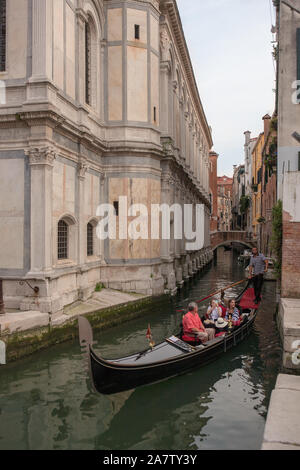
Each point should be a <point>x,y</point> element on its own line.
<point>221,323</point>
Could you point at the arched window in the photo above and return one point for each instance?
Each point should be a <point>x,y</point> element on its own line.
<point>90,239</point>
<point>62,240</point>
<point>2,35</point>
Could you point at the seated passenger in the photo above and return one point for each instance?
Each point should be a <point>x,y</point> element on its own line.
<point>214,311</point>
<point>221,327</point>
<point>233,311</point>
<point>193,329</point>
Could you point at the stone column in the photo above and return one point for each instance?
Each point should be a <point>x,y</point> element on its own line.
<point>41,161</point>
<point>2,309</point>
<point>191,145</point>
<point>175,114</point>
<point>82,229</point>
<point>41,40</point>
<point>187,140</point>
<point>165,199</point>
<point>82,19</point>
<point>164,102</point>
<point>182,130</point>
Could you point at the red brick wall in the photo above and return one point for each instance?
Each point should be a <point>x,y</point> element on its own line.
<point>290,283</point>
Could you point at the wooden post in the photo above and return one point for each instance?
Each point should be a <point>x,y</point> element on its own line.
<point>2,311</point>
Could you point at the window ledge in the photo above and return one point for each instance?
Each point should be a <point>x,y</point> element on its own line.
<point>65,263</point>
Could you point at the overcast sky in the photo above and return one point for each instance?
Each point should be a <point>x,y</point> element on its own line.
<point>230,46</point>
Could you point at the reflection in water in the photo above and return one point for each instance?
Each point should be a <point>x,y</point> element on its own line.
<point>46,403</point>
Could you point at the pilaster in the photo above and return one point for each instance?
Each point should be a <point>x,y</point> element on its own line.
<point>41,161</point>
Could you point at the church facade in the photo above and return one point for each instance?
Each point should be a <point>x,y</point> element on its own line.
<point>98,101</point>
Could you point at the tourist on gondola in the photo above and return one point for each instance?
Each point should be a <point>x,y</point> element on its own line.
<point>221,327</point>
<point>193,328</point>
<point>214,311</point>
<point>233,313</point>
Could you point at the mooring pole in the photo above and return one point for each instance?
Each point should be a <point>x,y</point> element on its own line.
<point>2,311</point>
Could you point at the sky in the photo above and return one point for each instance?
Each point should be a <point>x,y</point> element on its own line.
<point>230,44</point>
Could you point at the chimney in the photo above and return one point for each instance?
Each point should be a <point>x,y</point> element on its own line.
<point>247,135</point>
<point>267,123</point>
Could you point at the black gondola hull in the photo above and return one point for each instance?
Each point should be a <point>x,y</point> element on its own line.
<point>110,378</point>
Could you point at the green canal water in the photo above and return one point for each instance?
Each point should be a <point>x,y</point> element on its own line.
<point>46,402</point>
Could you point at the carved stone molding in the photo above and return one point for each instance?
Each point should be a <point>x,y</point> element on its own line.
<point>82,169</point>
<point>81,15</point>
<point>41,155</point>
<point>164,44</point>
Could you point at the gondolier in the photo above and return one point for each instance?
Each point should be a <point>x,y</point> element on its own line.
<point>258,266</point>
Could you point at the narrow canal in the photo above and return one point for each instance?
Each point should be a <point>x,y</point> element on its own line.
<point>45,402</point>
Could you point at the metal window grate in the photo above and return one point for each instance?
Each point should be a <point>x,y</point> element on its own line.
<point>2,35</point>
<point>90,240</point>
<point>62,240</point>
<point>137,31</point>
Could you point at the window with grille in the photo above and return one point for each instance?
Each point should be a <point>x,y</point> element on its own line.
<point>62,240</point>
<point>90,240</point>
<point>88,63</point>
<point>2,35</point>
<point>137,31</point>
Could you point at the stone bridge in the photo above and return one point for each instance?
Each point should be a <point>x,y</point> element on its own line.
<point>226,238</point>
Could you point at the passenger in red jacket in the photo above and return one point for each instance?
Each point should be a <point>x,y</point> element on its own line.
<point>193,329</point>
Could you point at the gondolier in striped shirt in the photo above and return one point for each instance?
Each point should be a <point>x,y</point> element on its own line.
<point>258,266</point>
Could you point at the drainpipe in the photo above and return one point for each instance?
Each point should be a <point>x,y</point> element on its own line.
<point>2,311</point>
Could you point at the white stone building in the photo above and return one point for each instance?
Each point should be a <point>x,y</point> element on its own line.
<point>100,102</point>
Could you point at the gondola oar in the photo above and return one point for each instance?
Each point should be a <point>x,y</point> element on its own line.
<point>218,292</point>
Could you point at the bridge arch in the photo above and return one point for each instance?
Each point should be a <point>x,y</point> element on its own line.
<point>246,245</point>
<point>219,239</point>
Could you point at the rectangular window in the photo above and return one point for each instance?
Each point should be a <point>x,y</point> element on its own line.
<point>154,113</point>
<point>137,31</point>
<point>116,206</point>
<point>2,35</point>
<point>62,240</point>
<point>299,161</point>
<point>90,240</point>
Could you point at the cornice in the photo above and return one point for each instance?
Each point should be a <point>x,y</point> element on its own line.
<point>169,8</point>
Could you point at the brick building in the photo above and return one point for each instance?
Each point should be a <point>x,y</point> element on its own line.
<point>288,54</point>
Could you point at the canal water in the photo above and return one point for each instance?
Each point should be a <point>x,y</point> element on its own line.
<point>46,402</point>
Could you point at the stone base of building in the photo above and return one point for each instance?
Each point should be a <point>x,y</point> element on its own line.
<point>56,290</point>
<point>289,327</point>
<point>282,431</point>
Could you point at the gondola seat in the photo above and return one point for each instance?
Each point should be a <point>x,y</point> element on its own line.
<point>191,341</point>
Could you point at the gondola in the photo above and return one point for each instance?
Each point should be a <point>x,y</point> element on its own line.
<point>170,358</point>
